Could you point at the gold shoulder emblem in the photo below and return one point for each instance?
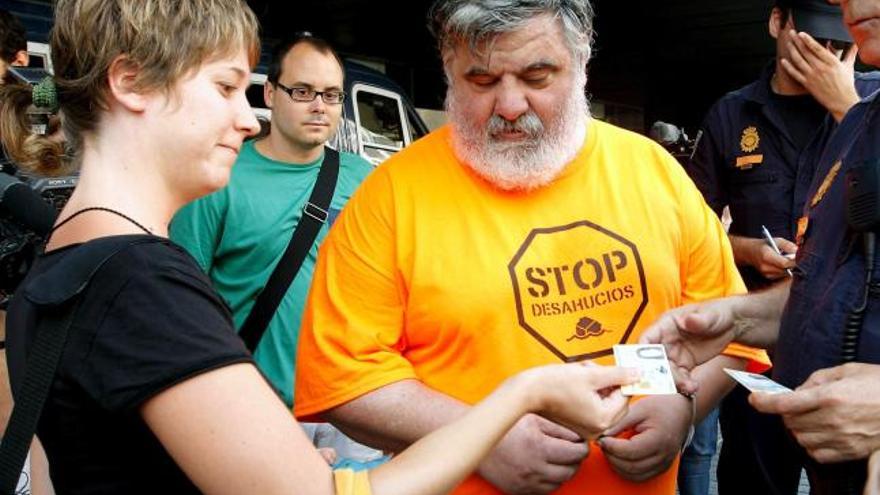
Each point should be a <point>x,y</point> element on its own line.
<point>750,139</point>
<point>826,184</point>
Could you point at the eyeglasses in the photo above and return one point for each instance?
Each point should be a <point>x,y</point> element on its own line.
<point>332,97</point>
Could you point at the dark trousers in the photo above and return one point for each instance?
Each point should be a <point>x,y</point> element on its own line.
<point>758,456</point>
<point>846,478</point>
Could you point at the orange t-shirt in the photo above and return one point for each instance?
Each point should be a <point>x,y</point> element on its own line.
<point>432,274</point>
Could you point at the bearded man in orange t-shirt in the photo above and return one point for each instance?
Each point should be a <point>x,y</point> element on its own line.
<point>521,234</point>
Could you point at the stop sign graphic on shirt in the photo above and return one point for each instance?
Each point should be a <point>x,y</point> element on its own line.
<point>579,288</point>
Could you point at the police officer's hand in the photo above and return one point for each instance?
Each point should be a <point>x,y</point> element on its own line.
<point>692,334</point>
<point>828,78</point>
<point>535,457</point>
<point>660,424</point>
<point>757,253</point>
<point>872,487</point>
<point>834,415</point>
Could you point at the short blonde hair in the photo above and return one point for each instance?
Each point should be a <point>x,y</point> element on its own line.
<point>164,39</point>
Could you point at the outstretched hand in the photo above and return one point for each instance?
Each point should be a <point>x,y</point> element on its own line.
<point>583,397</point>
<point>692,334</point>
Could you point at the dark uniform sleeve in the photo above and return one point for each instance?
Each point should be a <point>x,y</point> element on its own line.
<point>164,326</point>
<point>706,164</point>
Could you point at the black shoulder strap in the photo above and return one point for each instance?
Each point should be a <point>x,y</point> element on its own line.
<point>42,365</point>
<point>314,216</point>
<point>59,303</point>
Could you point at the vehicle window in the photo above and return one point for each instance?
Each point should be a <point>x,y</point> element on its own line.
<point>380,120</point>
<point>39,56</point>
<point>37,61</point>
<point>254,94</point>
<point>414,131</point>
<point>381,126</point>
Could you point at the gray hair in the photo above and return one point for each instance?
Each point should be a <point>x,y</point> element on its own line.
<point>479,21</point>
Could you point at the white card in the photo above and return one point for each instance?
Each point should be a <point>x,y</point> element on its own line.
<point>757,383</point>
<point>651,361</point>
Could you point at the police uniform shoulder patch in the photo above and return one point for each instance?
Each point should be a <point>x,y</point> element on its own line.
<point>750,139</point>
<point>826,184</point>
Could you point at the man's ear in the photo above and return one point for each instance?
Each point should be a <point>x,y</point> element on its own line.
<point>774,24</point>
<point>268,93</point>
<point>121,80</point>
<point>21,59</point>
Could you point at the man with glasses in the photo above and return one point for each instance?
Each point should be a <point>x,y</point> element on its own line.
<point>756,154</point>
<point>239,234</point>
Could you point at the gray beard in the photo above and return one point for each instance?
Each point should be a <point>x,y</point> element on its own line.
<point>528,164</point>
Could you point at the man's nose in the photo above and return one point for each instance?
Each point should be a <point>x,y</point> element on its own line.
<point>317,105</point>
<point>511,101</point>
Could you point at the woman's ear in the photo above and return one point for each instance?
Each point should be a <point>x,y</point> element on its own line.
<point>121,80</point>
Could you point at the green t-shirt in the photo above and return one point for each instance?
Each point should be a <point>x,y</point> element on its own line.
<point>239,233</point>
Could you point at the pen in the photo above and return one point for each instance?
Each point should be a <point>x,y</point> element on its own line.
<point>772,243</point>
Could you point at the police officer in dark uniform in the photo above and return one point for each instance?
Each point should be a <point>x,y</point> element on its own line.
<point>756,155</point>
<point>833,299</point>
<point>830,286</point>
<point>825,323</point>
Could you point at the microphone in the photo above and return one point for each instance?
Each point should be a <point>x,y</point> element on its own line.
<point>25,206</point>
<point>665,134</point>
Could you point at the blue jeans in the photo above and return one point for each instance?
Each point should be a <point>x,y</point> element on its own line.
<point>356,465</point>
<point>695,468</point>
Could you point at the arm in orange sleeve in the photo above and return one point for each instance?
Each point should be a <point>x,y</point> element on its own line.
<point>350,365</point>
<point>352,335</point>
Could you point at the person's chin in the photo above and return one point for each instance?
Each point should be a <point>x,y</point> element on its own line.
<point>219,172</point>
<point>869,52</point>
<point>315,139</point>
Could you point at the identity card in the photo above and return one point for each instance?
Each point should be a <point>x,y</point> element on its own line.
<point>757,383</point>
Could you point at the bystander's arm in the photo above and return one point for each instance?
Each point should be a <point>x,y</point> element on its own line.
<point>563,393</point>
<point>535,456</point>
<point>696,333</point>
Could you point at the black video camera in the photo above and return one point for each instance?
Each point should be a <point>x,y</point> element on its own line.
<point>28,208</point>
<point>674,139</point>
